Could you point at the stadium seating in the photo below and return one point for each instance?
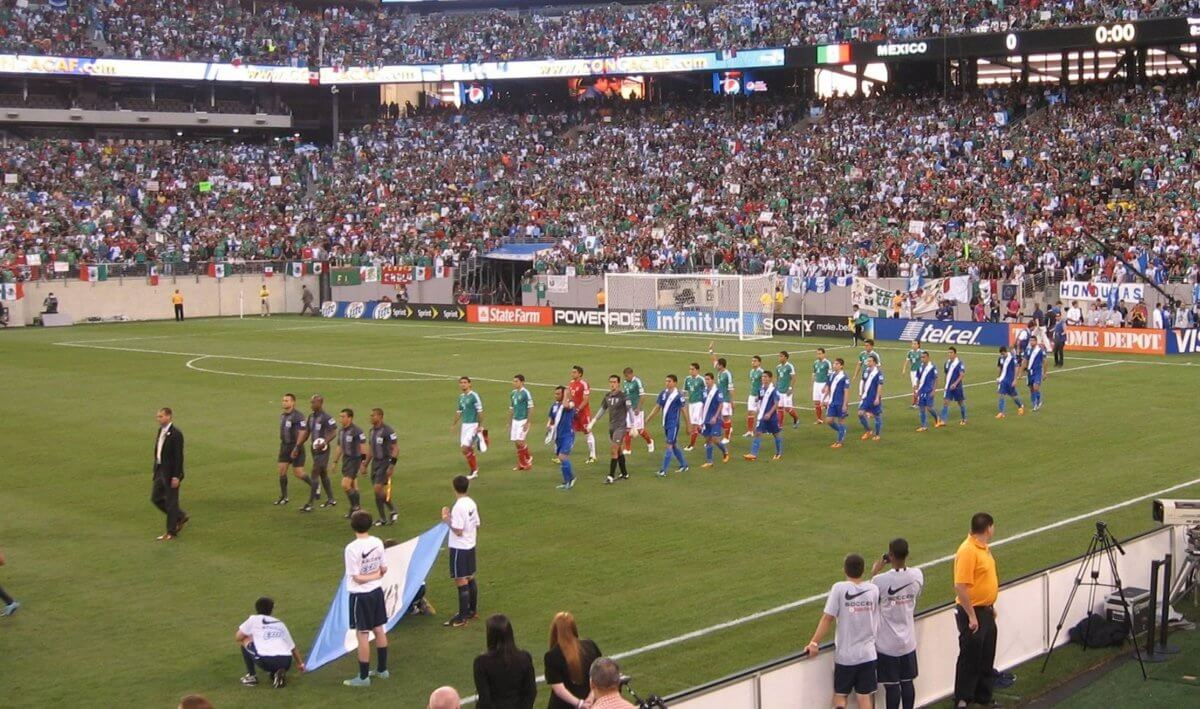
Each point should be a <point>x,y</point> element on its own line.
<point>886,186</point>
<point>278,33</point>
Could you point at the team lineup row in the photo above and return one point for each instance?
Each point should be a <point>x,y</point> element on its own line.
<point>702,409</point>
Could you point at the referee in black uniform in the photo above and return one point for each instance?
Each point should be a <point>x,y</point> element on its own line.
<point>319,431</point>
<point>168,473</point>
<point>291,452</point>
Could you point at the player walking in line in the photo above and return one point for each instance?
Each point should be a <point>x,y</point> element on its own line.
<point>693,387</point>
<point>320,430</point>
<point>871,405</point>
<point>463,520</point>
<point>860,369</point>
<point>725,386</point>
<point>956,371</point>
<point>1034,364</point>
<point>785,378</point>
<point>670,402</point>
<point>365,569</point>
<point>756,375</point>
<point>470,416</point>
<point>291,453</point>
<point>837,395</point>
<point>560,430</point>
<point>519,405</point>
<point>769,419</point>
<point>636,426</point>
<point>581,397</point>
<point>616,403</point>
<point>912,363</point>
<point>820,383</point>
<point>713,428</point>
<point>1007,382</point>
<point>352,451</point>
<point>381,455</point>
<point>925,390</point>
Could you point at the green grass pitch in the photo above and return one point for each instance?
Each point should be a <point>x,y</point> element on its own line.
<point>112,618</point>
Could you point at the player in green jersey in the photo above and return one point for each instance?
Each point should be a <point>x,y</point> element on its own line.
<point>820,378</point>
<point>912,365</point>
<point>520,404</point>
<point>756,375</point>
<point>637,416</point>
<point>785,383</point>
<point>725,386</point>
<point>693,389</point>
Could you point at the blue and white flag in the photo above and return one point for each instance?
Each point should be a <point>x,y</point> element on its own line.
<point>1196,293</point>
<point>1114,297</point>
<point>408,565</point>
<point>915,282</point>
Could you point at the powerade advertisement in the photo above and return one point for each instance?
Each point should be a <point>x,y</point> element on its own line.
<point>935,332</point>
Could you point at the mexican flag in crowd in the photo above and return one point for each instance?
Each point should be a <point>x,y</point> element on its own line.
<point>296,269</point>
<point>12,291</point>
<point>94,273</point>
<point>218,270</point>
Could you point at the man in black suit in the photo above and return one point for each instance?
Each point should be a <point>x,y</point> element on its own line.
<point>168,474</point>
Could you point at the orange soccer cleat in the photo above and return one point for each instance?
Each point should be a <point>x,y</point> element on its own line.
<point>1020,411</point>
<point>750,457</point>
<point>866,436</point>
<point>836,445</point>
<point>940,424</point>
<point>874,438</point>
<point>1001,415</point>
<point>921,429</point>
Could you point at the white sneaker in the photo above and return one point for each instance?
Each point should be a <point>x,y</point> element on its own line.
<point>474,474</point>
<point>724,441</point>
<point>625,452</point>
<point>650,447</point>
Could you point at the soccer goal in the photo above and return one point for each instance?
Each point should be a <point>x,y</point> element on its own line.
<point>697,303</point>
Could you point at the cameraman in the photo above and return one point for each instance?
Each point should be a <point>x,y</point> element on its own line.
<point>896,640</point>
<point>606,686</point>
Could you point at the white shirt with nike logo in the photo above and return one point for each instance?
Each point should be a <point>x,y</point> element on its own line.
<point>898,594</point>
<point>270,636</point>
<point>363,556</point>
<point>856,608</point>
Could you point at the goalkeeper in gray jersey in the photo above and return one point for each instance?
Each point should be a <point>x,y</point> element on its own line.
<point>617,404</point>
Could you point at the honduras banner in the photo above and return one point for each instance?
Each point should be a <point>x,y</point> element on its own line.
<point>408,565</point>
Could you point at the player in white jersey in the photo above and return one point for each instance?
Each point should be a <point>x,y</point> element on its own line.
<point>365,569</point>
<point>854,605</point>
<point>463,520</point>
<point>896,641</point>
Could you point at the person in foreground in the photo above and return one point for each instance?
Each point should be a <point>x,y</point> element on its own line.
<point>606,686</point>
<point>976,586</point>
<point>568,663</point>
<point>266,643</point>
<point>365,570</point>
<point>168,474</point>
<point>853,605</point>
<point>504,677</point>
<point>444,698</point>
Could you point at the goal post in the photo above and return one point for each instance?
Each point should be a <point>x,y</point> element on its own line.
<point>690,303</point>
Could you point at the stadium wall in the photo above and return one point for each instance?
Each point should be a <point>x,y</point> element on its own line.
<point>434,290</point>
<point>136,299</point>
<point>1029,608</point>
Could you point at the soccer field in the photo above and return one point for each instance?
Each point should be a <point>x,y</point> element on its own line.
<point>688,577</point>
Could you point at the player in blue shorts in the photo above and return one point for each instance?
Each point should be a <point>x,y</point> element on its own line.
<point>836,392</point>
<point>1034,361</point>
<point>956,372</point>
<point>871,406</point>
<point>1007,382</point>
<point>713,425</point>
<point>769,420</point>
<point>925,391</point>
<point>560,431</point>
<point>672,404</point>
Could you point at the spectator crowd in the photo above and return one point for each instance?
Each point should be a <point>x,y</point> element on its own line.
<point>279,33</point>
<point>994,185</point>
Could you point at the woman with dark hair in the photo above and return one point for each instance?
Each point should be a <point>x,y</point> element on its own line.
<point>504,674</point>
<point>567,664</point>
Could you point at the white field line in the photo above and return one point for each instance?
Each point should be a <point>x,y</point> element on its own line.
<point>193,365</point>
<point>809,600</point>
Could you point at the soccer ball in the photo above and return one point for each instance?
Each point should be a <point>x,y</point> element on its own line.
<point>319,444</point>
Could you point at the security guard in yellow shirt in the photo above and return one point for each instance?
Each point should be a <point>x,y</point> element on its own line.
<point>976,586</point>
<point>264,304</point>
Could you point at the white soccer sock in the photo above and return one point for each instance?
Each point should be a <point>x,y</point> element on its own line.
<point>591,441</point>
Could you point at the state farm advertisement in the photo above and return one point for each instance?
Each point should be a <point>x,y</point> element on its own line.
<point>534,316</point>
<point>1120,340</point>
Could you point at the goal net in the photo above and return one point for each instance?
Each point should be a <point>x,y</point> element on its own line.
<point>699,303</point>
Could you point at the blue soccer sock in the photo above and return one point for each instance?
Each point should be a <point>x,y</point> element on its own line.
<point>1017,399</point>
<point>667,456</point>
<point>924,418</point>
<point>833,424</point>
<point>708,452</point>
<point>1002,404</point>
<point>755,445</point>
<point>841,430</point>
<point>945,410</point>
<point>963,410</point>
<point>679,456</point>
<point>567,473</point>
<point>863,420</point>
<point>778,444</point>
<point>721,447</point>
<point>1036,396</point>
<point>878,423</point>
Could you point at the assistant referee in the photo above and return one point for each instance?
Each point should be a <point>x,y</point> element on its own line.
<point>976,586</point>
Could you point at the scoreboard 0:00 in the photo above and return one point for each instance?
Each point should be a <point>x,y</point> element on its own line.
<point>1116,34</point>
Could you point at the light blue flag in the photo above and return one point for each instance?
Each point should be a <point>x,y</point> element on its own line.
<point>408,566</point>
<point>1114,296</point>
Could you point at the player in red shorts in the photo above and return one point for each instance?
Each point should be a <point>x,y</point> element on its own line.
<point>580,393</point>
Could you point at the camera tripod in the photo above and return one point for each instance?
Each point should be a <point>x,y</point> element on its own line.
<point>1099,550</point>
<point>1189,571</point>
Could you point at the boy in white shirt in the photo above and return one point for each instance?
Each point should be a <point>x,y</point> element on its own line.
<point>266,643</point>
<point>365,570</point>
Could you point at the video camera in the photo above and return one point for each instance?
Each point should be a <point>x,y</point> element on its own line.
<point>651,702</point>
<point>1184,512</point>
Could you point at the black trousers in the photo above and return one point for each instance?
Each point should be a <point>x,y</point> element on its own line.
<point>973,677</point>
<point>179,312</point>
<point>271,663</point>
<point>858,333</point>
<point>1058,354</point>
<point>166,498</point>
